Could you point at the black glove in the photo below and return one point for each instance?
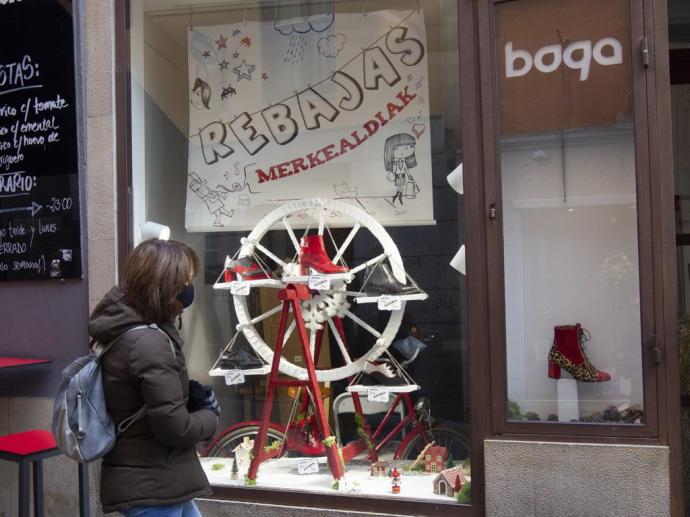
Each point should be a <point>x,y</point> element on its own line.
<point>201,396</point>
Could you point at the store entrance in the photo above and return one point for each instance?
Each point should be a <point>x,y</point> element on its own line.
<point>679,61</point>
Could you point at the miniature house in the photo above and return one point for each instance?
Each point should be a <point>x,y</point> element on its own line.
<point>435,459</point>
<point>378,469</point>
<point>449,482</point>
<point>243,454</point>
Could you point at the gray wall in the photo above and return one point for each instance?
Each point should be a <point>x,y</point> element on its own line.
<point>540,479</point>
<point>41,319</point>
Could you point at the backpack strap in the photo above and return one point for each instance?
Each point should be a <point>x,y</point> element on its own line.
<point>100,350</point>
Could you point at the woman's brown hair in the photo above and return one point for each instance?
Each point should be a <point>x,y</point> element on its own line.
<point>154,275</point>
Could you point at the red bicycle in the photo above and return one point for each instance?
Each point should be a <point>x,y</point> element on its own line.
<point>415,430</point>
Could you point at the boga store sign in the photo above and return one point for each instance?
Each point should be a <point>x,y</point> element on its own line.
<point>563,64</point>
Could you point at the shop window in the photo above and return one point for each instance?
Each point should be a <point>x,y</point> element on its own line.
<point>239,110</point>
<point>569,212</point>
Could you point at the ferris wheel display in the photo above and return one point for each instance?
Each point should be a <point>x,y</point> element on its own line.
<point>336,289</point>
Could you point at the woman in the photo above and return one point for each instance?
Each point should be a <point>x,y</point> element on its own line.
<point>153,469</point>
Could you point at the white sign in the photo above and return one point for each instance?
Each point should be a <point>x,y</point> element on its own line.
<point>319,282</point>
<point>577,56</point>
<point>308,466</point>
<point>377,394</point>
<point>239,287</point>
<point>234,377</point>
<point>387,302</point>
<point>331,106</point>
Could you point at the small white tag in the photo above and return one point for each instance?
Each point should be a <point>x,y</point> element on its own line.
<point>389,302</point>
<point>377,394</point>
<point>319,282</point>
<point>234,377</point>
<point>308,466</point>
<point>239,287</point>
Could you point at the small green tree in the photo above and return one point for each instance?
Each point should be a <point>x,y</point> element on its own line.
<point>234,470</point>
<point>464,496</point>
<point>449,462</point>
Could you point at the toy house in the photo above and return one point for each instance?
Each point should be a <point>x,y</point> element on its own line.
<point>243,454</point>
<point>449,482</point>
<point>435,458</point>
<point>378,469</point>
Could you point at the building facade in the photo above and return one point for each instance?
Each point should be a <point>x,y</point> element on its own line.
<point>521,162</point>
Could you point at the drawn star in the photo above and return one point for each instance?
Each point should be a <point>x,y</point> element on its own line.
<point>223,65</point>
<point>206,53</point>
<point>244,71</point>
<point>264,75</point>
<point>235,55</point>
<point>246,41</point>
<point>221,42</point>
<point>236,32</point>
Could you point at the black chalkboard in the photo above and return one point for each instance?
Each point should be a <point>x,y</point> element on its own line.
<point>40,234</point>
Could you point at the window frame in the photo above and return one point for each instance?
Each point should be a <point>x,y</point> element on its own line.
<point>468,44</point>
<point>657,288</point>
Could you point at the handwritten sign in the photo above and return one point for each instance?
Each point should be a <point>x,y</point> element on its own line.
<point>308,466</point>
<point>239,287</point>
<point>319,282</point>
<point>234,377</point>
<point>40,235</point>
<point>267,127</point>
<point>378,394</point>
<point>387,302</point>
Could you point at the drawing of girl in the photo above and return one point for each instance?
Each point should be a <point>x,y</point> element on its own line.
<point>399,158</point>
<point>201,94</point>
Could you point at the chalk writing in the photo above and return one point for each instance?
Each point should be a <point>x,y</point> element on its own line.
<point>39,187</point>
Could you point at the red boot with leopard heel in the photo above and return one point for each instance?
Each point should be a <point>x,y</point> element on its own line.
<point>568,352</point>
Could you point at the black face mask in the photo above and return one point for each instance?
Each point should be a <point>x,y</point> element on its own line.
<point>186,297</point>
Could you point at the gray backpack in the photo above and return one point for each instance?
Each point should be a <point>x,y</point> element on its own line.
<point>83,429</point>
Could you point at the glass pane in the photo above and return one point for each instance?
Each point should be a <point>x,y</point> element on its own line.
<point>569,211</point>
<point>240,110</point>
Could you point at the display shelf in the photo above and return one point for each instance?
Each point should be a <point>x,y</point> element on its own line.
<point>266,282</point>
<point>220,372</point>
<point>404,298</point>
<point>282,474</point>
<point>304,279</point>
<point>361,389</point>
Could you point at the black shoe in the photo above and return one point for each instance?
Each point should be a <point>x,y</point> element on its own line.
<point>241,356</point>
<point>380,280</point>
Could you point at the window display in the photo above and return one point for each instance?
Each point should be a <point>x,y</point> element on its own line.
<point>569,188</point>
<point>311,154</point>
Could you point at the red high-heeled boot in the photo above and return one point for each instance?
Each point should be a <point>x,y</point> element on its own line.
<point>568,352</point>
<point>312,254</point>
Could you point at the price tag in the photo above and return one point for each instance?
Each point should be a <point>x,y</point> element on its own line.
<point>389,302</point>
<point>319,282</point>
<point>234,377</point>
<point>377,394</point>
<point>308,466</point>
<point>240,288</point>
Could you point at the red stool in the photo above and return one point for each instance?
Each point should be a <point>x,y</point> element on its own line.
<point>31,448</point>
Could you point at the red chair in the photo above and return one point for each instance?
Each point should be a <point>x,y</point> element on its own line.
<point>31,448</point>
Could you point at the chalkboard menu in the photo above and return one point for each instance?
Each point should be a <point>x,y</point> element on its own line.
<point>39,183</point>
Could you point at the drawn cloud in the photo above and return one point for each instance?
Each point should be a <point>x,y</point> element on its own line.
<point>200,43</point>
<point>316,23</point>
<point>332,45</point>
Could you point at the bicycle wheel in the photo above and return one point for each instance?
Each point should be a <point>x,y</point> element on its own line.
<point>457,444</point>
<point>224,446</point>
